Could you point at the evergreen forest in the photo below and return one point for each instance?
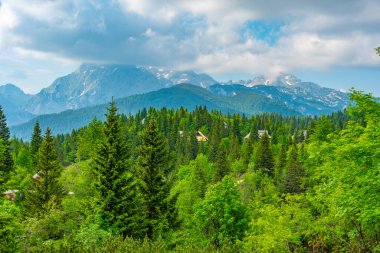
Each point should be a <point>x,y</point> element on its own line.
<point>174,180</point>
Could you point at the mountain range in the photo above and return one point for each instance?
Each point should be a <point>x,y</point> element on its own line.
<point>13,101</point>
<point>95,84</point>
<point>87,90</point>
<point>185,95</point>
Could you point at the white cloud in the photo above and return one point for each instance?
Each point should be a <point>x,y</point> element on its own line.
<point>203,35</point>
<point>319,34</point>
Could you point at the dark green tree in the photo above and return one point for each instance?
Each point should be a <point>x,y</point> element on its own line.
<point>264,158</point>
<point>294,172</point>
<point>6,162</point>
<point>153,161</point>
<point>44,186</point>
<point>280,164</point>
<point>222,167</point>
<point>117,187</point>
<point>35,143</point>
<point>249,142</point>
<point>236,127</point>
<point>214,141</point>
<point>234,150</point>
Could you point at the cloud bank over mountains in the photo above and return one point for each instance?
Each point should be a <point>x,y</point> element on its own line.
<point>216,37</point>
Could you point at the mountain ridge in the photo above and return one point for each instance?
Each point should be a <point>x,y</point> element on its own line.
<point>182,95</point>
<point>12,100</point>
<point>95,84</point>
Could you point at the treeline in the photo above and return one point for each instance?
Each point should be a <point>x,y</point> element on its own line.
<point>174,180</point>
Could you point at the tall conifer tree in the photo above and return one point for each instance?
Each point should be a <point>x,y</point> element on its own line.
<point>45,185</point>
<point>153,163</point>
<point>214,141</point>
<point>117,187</point>
<point>264,158</point>
<point>35,143</point>
<point>222,167</point>
<point>6,161</point>
<point>280,164</point>
<point>294,172</point>
<point>234,152</point>
<point>249,142</point>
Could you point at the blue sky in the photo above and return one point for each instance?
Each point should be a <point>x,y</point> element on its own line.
<point>323,41</point>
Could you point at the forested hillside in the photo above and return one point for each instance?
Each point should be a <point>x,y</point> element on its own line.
<point>183,95</point>
<point>174,180</point>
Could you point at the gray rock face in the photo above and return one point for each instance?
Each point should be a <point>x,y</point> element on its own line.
<point>94,84</point>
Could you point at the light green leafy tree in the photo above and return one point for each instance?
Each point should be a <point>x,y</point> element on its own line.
<point>348,175</point>
<point>221,217</point>
<point>281,227</point>
<point>190,188</point>
<point>10,226</point>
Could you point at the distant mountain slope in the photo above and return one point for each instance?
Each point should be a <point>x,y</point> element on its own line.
<point>13,93</point>
<point>186,95</point>
<point>94,84</point>
<point>305,97</point>
<point>12,99</point>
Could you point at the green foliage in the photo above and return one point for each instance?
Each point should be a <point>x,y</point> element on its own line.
<point>143,183</point>
<point>324,126</point>
<point>280,228</point>
<point>190,187</point>
<point>36,142</point>
<point>88,140</point>
<point>222,167</point>
<point>294,172</point>
<point>248,149</point>
<point>280,164</point>
<point>347,182</point>
<point>6,161</point>
<point>221,217</point>
<point>234,149</point>
<point>91,236</point>
<point>40,191</point>
<point>78,179</point>
<point>118,193</point>
<point>153,161</point>
<point>264,158</point>
<point>10,227</point>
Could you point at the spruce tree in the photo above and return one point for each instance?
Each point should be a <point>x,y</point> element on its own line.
<point>116,185</point>
<point>264,158</point>
<point>214,141</point>
<point>234,152</point>
<point>248,148</point>
<point>222,167</point>
<point>35,143</point>
<point>153,163</point>
<point>44,186</point>
<point>6,161</point>
<point>236,126</point>
<point>294,172</point>
<point>280,164</point>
